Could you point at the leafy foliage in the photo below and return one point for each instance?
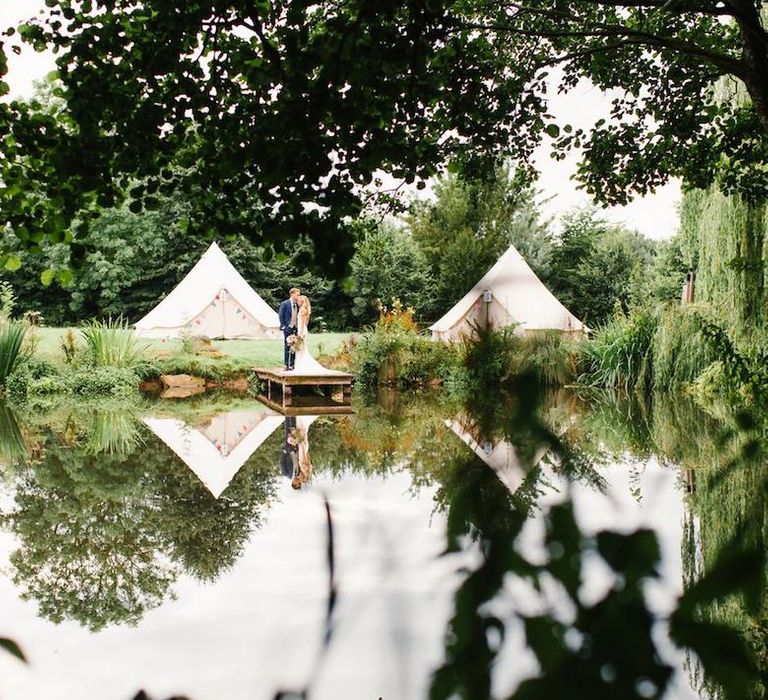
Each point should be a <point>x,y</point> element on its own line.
<point>11,340</point>
<point>389,264</point>
<point>277,105</point>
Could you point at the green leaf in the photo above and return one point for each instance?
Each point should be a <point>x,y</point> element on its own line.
<point>64,277</point>
<point>635,555</point>
<point>47,276</point>
<point>12,648</point>
<point>553,130</point>
<point>13,263</point>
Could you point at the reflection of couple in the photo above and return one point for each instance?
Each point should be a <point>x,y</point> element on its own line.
<point>294,314</point>
<point>294,457</point>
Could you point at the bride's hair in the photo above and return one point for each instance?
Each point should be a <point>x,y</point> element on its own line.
<point>304,304</point>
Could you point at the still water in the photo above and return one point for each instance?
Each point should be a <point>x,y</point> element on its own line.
<point>165,547</point>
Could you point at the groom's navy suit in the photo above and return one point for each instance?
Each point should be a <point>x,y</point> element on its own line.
<point>289,455</point>
<point>287,315</point>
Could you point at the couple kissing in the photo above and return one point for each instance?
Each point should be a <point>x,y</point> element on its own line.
<point>294,315</point>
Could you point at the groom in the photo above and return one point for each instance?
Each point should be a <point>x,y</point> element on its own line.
<point>288,314</point>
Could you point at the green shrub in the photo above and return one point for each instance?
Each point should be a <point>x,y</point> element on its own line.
<point>104,381</point>
<point>619,353</point>
<point>33,375</point>
<point>38,368</point>
<point>112,343</point>
<point>394,355</point>
<point>11,338</point>
<point>36,379</point>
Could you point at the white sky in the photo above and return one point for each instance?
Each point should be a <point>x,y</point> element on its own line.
<point>655,216</point>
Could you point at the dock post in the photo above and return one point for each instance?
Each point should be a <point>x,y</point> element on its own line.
<point>347,394</point>
<point>287,395</point>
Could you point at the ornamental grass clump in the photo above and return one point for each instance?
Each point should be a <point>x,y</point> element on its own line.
<point>112,343</point>
<point>551,355</point>
<point>11,341</point>
<point>619,353</point>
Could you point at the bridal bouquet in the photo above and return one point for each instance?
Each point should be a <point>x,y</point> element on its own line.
<point>295,342</point>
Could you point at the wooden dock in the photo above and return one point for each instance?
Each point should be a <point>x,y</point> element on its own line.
<point>298,394</point>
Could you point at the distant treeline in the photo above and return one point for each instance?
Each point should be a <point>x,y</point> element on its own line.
<point>428,259</point>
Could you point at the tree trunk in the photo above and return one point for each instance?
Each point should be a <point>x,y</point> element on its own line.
<point>754,40</point>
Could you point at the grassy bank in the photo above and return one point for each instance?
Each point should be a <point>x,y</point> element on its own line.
<point>103,361</point>
<point>244,353</point>
<point>651,349</point>
<point>676,346</point>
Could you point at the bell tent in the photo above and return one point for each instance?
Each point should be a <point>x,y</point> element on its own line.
<point>214,301</point>
<point>509,293</point>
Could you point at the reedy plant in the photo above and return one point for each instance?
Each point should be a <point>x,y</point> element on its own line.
<point>619,353</point>
<point>112,343</point>
<point>11,340</point>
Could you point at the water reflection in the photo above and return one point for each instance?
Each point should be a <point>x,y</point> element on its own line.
<point>295,461</point>
<point>216,448</point>
<point>504,458</point>
<point>109,510</point>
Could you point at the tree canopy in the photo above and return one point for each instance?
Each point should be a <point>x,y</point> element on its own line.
<point>283,111</point>
<point>469,225</point>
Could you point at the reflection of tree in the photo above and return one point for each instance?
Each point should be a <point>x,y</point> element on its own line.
<point>599,649</point>
<point>718,450</point>
<point>206,535</point>
<point>103,538</point>
<point>86,551</point>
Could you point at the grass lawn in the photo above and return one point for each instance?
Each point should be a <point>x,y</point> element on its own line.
<point>253,353</point>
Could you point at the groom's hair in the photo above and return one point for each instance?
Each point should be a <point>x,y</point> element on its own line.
<point>294,290</point>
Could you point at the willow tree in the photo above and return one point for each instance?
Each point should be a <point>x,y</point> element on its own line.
<point>288,109</point>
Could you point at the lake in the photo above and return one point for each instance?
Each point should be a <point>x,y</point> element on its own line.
<point>164,547</point>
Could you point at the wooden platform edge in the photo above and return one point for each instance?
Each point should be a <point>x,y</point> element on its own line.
<point>277,375</point>
<point>316,410</point>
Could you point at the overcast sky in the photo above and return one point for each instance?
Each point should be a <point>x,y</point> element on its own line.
<point>655,215</point>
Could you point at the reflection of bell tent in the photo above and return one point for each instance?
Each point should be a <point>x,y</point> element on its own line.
<point>503,457</point>
<point>213,300</point>
<point>509,293</point>
<point>217,450</point>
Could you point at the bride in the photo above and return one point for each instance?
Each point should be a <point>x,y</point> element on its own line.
<point>304,362</point>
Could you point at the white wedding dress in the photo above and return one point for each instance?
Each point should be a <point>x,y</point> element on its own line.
<point>304,363</point>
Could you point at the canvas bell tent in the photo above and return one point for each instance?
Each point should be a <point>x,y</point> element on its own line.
<point>509,293</point>
<point>214,301</point>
